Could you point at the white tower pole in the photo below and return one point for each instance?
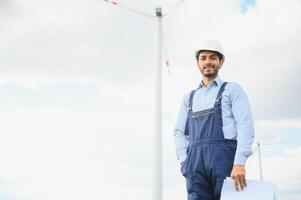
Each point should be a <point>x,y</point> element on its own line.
<point>259,158</point>
<point>157,146</point>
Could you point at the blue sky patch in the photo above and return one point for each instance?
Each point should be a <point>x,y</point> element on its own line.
<point>246,4</point>
<point>290,140</point>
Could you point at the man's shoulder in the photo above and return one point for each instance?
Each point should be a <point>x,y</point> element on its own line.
<point>233,86</point>
<point>186,96</point>
<point>234,89</point>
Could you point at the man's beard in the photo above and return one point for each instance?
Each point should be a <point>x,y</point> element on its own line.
<point>211,74</point>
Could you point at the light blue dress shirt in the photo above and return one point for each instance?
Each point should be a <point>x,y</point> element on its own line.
<point>236,114</point>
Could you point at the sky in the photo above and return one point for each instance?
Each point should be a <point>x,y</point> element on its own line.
<point>77,92</point>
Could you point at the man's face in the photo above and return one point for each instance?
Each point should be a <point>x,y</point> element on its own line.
<point>209,63</point>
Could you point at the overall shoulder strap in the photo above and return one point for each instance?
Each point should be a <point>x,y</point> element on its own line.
<point>220,92</point>
<point>186,132</point>
<point>190,100</point>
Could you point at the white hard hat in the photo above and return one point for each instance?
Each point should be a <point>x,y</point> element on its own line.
<point>211,45</point>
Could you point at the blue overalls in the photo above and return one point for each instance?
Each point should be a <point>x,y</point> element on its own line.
<point>210,156</point>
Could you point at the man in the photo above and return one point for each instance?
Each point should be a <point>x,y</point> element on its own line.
<point>214,130</point>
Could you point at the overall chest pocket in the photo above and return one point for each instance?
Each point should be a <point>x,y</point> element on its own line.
<point>203,114</point>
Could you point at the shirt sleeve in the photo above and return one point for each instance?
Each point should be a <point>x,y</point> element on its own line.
<point>181,140</point>
<point>241,110</point>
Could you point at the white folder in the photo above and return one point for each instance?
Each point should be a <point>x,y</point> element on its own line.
<point>259,190</point>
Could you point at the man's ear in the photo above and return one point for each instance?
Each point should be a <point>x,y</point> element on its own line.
<point>197,64</point>
<point>221,64</point>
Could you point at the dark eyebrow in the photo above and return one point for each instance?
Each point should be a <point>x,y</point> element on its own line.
<point>213,55</point>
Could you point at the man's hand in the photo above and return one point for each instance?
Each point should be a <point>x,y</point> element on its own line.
<point>238,175</point>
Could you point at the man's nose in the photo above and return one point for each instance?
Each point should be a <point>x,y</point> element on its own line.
<point>207,61</point>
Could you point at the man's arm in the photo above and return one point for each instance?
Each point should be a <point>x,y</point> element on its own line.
<point>180,139</point>
<point>241,110</point>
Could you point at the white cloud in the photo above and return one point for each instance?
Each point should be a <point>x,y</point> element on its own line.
<point>65,153</point>
<point>51,41</point>
<point>274,130</point>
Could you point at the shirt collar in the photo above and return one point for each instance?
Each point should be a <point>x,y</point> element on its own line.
<point>217,81</point>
